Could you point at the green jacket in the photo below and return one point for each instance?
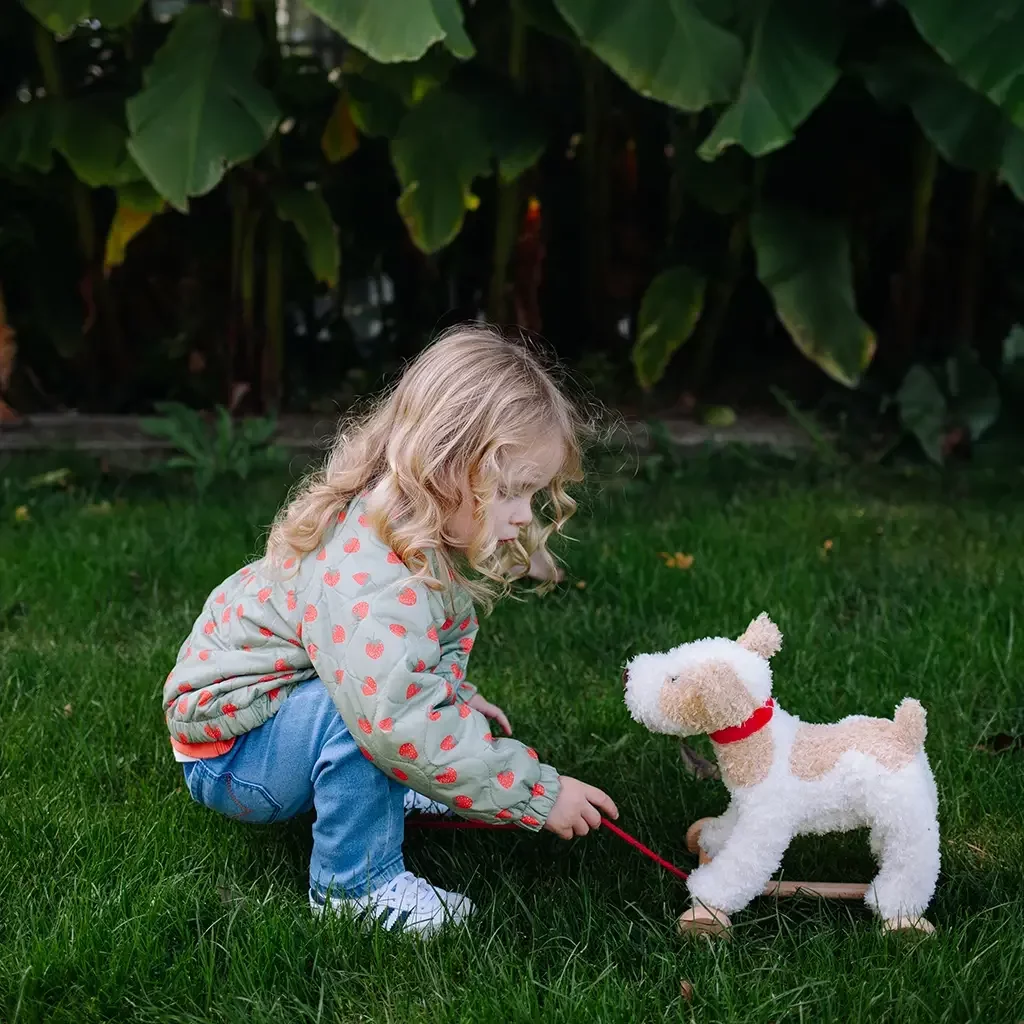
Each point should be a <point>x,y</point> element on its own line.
<point>391,652</point>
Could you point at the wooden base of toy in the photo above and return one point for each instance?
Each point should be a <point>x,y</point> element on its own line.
<point>708,921</point>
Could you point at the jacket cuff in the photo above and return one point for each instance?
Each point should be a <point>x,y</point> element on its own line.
<point>546,793</point>
<point>466,691</point>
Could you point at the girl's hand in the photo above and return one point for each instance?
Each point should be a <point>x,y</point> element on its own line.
<point>578,809</point>
<point>489,710</point>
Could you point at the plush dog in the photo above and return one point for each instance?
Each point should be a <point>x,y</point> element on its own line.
<point>788,778</point>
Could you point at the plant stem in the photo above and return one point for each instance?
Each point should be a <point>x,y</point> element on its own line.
<point>509,193</point>
<point>926,165</point>
<point>596,194</point>
<point>974,251</point>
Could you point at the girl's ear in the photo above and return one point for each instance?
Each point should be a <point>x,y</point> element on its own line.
<point>762,637</point>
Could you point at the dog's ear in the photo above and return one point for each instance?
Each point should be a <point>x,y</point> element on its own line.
<point>762,637</point>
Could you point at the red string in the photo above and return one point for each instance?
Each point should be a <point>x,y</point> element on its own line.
<point>426,821</point>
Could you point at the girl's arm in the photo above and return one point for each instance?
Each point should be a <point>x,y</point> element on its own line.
<point>378,652</point>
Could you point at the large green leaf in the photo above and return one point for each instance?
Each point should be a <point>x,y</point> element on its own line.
<point>308,211</point>
<point>966,128</point>
<point>669,312</point>
<point>790,70</point>
<point>94,141</point>
<point>804,262</point>
<point>983,40</point>
<point>61,16</point>
<point>201,110</point>
<point>27,132</point>
<point>440,148</point>
<point>397,30</point>
<point>923,408</point>
<point>666,49</point>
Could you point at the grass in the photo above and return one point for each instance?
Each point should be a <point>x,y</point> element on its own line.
<point>122,900</point>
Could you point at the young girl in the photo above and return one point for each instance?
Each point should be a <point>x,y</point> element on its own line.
<point>331,674</point>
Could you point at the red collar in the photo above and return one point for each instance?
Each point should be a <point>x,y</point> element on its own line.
<point>734,733</point>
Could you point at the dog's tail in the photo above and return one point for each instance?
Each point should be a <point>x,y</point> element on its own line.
<point>909,721</point>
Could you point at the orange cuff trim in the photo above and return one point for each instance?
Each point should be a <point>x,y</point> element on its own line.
<point>203,750</point>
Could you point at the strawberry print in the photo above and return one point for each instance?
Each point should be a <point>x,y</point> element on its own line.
<point>504,814</point>
<point>393,558</point>
<point>466,643</point>
<point>361,578</point>
<point>332,578</point>
<point>264,595</point>
<point>204,655</point>
<point>274,694</point>
<point>321,554</point>
<point>239,612</point>
<point>184,687</point>
<point>397,629</point>
<point>446,625</point>
<point>433,715</point>
<point>432,634</point>
<point>369,686</point>
<point>464,803</point>
<point>408,751</point>
<point>292,601</point>
<point>338,634</point>
<point>212,731</point>
<point>505,779</point>
<point>449,693</point>
<point>447,777</point>
<point>209,627</point>
<point>246,648</point>
<point>421,666</point>
<point>339,676</point>
<point>532,753</point>
<point>310,613</point>
<point>182,705</point>
<point>229,710</point>
<point>528,819</point>
<point>351,545</point>
<point>487,738</point>
<point>341,516</point>
<point>407,597</point>
<point>266,632</point>
<point>411,692</point>
<point>464,625</point>
<point>386,724</point>
<point>281,665</point>
<point>374,649</point>
<point>289,563</point>
<point>204,698</point>
<point>312,650</point>
<point>538,790</point>
<point>363,521</point>
<point>448,743</point>
<point>366,753</point>
<point>226,617</point>
<point>457,670</point>
<point>364,724</point>
<point>400,775</point>
<point>465,711</point>
<point>361,610</point>
<point>221,597</point>
<point>293,641</point>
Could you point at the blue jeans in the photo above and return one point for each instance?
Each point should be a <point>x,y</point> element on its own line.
<point>304,758</point>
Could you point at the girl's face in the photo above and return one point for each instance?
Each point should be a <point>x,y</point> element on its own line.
<point>512,507</point>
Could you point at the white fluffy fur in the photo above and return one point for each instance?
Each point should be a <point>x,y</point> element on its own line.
<point>748,841</point>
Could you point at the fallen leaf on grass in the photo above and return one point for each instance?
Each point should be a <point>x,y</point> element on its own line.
<point>22,514</point>
<point>827,546</point>
<point>1001,743</point>
<point>677,560</point>
<point>581,585</point>
<point>686,990</point>
<point>67,710</point>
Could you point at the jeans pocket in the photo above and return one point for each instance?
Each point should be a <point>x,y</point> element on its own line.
<point>231,796</point>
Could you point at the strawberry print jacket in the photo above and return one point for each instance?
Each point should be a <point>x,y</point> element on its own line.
<point>391,651</point>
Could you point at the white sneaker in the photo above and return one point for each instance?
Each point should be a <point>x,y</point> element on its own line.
<point>406,903</point>
<point>418,802</point>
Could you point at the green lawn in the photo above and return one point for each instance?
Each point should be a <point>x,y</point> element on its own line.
<point>122,900</point>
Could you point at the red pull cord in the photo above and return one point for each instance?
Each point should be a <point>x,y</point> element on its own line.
<point>454,823</point>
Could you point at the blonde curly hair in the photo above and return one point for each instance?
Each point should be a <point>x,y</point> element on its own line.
<point>461,415</point>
